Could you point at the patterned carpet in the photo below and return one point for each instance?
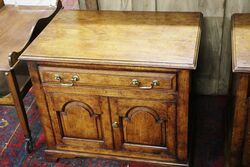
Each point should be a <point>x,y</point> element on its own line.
<point>208,146</point>
<point>8,122</point>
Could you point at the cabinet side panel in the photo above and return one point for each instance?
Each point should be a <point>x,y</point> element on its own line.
<point>42,104</point>
<point>182,114</point>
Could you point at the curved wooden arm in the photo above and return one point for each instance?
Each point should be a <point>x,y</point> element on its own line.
<point>36,30</point>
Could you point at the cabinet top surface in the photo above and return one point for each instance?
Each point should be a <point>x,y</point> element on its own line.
<point>168,40</point>
<point>241,43</point>
<point>16,27</point>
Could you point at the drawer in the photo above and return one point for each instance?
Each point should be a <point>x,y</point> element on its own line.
<point>107,78</point>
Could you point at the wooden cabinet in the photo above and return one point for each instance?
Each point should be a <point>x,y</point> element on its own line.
<point>239,141</point>
<point>113,99</point>
<point>143,121</point>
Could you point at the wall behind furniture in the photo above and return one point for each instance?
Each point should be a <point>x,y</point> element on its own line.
<point>31,2</point>
<point>68,4</point>
<point>214,67</point>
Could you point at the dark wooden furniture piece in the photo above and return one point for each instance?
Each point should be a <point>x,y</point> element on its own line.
<point>116,84</point>
<point>240,136</point>
<point>19,26</point>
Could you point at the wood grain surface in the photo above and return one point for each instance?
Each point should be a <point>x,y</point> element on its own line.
<point>240,120</point>
<point>241,43</point>
<point>109,37</point>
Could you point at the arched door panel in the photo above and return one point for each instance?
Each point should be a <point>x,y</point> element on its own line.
<point>147,126</point>
<point>80,120</point>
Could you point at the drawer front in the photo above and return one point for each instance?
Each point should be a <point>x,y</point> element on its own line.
<point>106,78</point>
<point>112,92</point>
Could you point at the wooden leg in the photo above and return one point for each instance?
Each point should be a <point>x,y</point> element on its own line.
<point>18,102</point>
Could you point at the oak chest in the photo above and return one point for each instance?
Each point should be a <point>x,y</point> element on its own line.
<point>116,84</point>
<point>240,132</point>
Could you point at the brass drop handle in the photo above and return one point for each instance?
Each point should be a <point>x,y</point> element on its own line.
<point>57,77</point>
<point>137,83</point>
<point>74,79</point>
<point>115,125</point>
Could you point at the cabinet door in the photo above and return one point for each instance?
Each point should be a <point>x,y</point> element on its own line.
<point>147,126</point>
<point>80,120</point>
